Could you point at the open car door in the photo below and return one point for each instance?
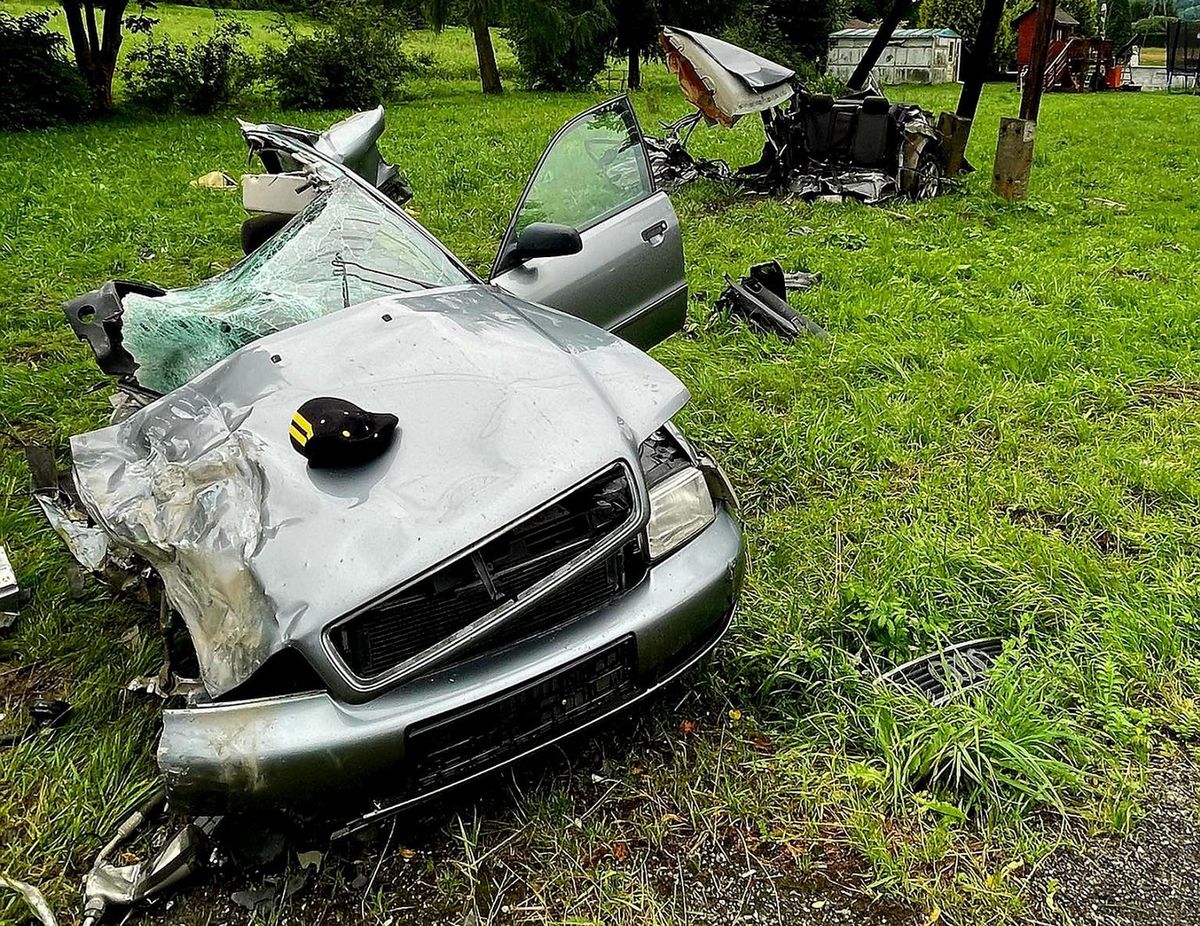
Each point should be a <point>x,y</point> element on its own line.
<point>625,271</point>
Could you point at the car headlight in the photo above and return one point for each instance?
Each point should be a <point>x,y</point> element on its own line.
<point>680,507</point>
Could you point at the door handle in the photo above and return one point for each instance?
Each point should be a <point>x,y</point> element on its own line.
<point>654,234</point>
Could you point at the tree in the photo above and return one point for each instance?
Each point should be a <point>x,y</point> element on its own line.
<point>1119,28</point>
<point>97,43</point>
<point>479,14</point>
<point>792,32</point>
<point>636,24</point>
<point>560,44</point>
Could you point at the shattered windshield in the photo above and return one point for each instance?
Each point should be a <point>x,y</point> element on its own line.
<point>344,248</point>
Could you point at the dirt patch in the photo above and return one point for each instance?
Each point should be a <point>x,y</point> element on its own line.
<point>21,684</point>
<point>1145,879</point>
<point>733,879</point>
<point>1160,393</point>
<point>1070,527</point>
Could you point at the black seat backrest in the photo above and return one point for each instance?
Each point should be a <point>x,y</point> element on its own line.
<point>872,134</point>
<point>845,121</point>
<point>818,123</point>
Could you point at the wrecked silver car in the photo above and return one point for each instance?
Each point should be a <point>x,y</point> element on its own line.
<point>860,146</point>
<point>515,541</point>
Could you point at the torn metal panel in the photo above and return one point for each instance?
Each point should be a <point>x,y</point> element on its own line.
<point>352,142</point>
<point>673,166</point>
<point>179,484</point>
<point>342,249</point>
<point>720,79</point>
<point>501,403</point>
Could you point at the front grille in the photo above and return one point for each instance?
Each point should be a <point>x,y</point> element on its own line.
<point>499,572</point>
<point>453,746</point>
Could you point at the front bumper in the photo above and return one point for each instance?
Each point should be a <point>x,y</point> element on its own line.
<point>303,750</point>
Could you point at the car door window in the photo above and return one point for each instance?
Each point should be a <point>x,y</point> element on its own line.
<point>595,168</point>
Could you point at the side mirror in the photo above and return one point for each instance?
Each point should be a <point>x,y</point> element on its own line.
<point>542,239</point>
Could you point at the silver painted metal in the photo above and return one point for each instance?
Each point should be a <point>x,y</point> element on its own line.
<point>312,748</point>
<point>505,405</point>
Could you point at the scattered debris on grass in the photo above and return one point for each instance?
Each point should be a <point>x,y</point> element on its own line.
<point>33,897</point>
<point>214,180</point>
<point>109,884</point>
<point>44,714</point>
<point>12,597</point>
<point>761,298</point>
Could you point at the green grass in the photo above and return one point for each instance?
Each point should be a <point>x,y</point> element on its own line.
<point>451,51</point>
<point>1000,438</point>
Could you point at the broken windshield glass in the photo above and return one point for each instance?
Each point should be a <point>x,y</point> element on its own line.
<point>344,248</point>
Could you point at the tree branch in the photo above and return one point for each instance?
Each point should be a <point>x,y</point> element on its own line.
<point>79,42</point>
<point>92,32</point>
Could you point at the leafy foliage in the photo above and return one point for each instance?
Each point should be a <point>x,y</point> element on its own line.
<point>636,25</point>
<point>560,44</point>
<point>1119,28</point>
<point>198,77</point>
<point>791,33</point>
<point>354,61</point>
<point>40,86</point>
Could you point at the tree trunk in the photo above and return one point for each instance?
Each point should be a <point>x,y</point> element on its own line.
<point>95,50</point>
<point>635,67</point>
<point>489,73</point>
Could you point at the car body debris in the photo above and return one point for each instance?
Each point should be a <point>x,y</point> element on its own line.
<point>941,675</point>
<point>33,897</point>
<point>12,597</point>
<point>861,146</point>
<point>109,884</point>
<point>44,714</point>
<point>536,548</point>
<point>760,297</point>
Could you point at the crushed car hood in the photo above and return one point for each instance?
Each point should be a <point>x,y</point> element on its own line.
<point>501,406</point>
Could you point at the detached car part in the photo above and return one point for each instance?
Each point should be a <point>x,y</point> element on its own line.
<point>761,298</point>
<point>12,597</point>
<point>540,549</point>
<point>109,884</point>
<point>860,146</point>
<point>285,187</point>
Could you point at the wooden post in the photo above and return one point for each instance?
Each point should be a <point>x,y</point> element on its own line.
<point>1014,147</point>
<point>956,126</point>
<point>1014,158</point>
<point>955,134</point>
<point>870,57</point>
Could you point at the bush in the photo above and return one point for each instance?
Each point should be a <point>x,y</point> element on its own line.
<point>560,44</point>
<point>40,86</point>
<point>196,78</point>
<point>354,61</point>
